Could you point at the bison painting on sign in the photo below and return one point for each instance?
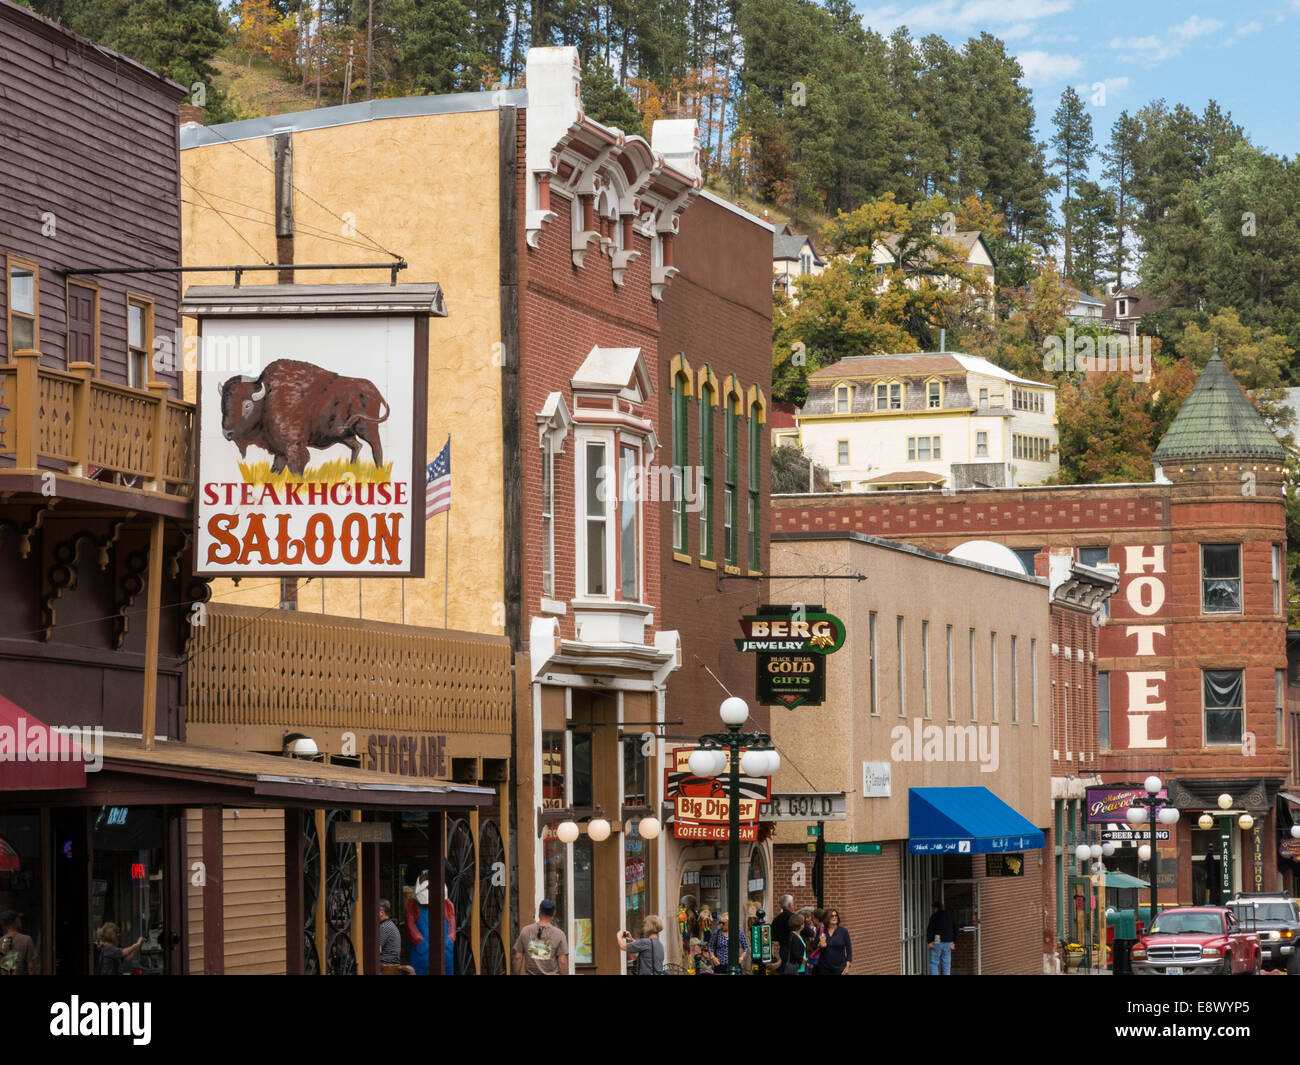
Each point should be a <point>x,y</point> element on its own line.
<point>307,447</point>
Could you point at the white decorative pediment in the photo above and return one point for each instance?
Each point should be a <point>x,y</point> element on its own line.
<point>614,371</point>
<point>554,420</point>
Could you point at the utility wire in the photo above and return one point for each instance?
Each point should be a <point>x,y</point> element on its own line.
<point>268,215</point>
<point>374,243</point>
<point>235,229</point>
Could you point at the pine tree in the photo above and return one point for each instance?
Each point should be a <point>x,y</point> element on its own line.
<point>1119,157</point>
<point>1074,147</point>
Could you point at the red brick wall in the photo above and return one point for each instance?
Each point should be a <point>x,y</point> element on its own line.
<point>865,890</point>
<point>718,311</point>
<point>1011,919</point>
<point>1202,507</point>
<point>564,312</point>
<point>1074,734</point>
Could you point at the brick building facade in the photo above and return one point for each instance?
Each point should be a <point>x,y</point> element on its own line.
<point>715,360</point>
<point>1193,650</point>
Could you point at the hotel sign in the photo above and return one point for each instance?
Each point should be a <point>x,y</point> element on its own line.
<point>791,644</point>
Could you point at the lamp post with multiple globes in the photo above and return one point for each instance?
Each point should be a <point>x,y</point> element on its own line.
<point>718,753</point>
<point>1150,810</point>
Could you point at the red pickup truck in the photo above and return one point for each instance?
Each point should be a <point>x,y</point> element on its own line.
<point>1197,940</point>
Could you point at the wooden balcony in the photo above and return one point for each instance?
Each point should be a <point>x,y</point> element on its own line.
<point>286,670</point>
<point>103,442</point>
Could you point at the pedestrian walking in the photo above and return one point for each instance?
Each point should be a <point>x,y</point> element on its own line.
<point>782,925</point>
<point>942,934</point>
<point>390,942</point>
<point>18,955</point>
<point>645,955</point>
<point>719,949</point>
<point>836,953</point>
<point>815,922</point>
<point>542,949</point>
<point>795,949</point>
<point>112,958</point>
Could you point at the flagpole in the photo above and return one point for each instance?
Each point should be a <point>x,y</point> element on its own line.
<point>446,543</point>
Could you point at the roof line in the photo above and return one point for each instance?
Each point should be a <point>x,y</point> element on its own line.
<point>196,136</point>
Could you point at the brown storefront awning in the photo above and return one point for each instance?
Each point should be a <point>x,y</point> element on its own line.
<point>35,756</point>
<point>182,774</point>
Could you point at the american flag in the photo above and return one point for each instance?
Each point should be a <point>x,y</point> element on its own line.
<point>437,493</point>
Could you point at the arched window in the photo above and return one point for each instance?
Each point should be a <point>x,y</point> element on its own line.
<point>681,392</point>
<point>708,405</point>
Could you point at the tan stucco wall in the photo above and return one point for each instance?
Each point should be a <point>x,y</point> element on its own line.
<point>823,748</point>
<point>424,187</point>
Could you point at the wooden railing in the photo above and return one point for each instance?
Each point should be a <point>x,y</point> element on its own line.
<point>293,669</point>
<point>72,417</point>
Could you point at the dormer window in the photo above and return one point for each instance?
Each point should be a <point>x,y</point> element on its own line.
<point>889,396</point>
<point>1121,308</point>
<point>843,399</point>
<point>934,395</point>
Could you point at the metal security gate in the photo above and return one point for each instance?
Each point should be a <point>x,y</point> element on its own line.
<point>920,886</point>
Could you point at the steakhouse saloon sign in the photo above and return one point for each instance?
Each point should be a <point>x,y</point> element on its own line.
<point>315,463</point>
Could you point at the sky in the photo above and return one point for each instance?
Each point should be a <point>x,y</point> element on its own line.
<point>1120,54</point>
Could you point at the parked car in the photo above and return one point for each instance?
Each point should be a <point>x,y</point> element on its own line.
<point>1197,940</point>
<point>1277,920</point>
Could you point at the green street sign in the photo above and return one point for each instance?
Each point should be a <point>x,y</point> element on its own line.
<point>814,830</point>
<point>848,848</point>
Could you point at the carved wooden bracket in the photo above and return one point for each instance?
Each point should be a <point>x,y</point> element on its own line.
<point>25,532</point>
<point>130,584</point>
<point>63,560</point>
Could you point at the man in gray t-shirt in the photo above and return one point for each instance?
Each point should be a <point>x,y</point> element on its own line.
<point>542,949</point>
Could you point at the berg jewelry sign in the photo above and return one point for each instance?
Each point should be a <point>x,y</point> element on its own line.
<point>790,646</point>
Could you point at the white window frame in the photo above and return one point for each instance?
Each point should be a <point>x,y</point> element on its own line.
<point>582,440</point>
<point>548,516</point>
<point>844,444</point>
<point>981,445</point>
<point>632,444</point>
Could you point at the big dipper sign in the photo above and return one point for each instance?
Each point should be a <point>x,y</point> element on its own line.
<point>791,645</point>
<point>311,456</point>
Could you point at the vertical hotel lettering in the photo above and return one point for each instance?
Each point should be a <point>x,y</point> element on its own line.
<point>1145,592</point>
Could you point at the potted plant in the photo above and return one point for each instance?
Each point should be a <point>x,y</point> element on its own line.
<point>1073,956</point>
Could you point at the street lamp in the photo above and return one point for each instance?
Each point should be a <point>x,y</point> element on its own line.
<point>720,751</point>
<point>1148,811</point>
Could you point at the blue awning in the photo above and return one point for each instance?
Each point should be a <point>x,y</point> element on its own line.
<point>966,821</point>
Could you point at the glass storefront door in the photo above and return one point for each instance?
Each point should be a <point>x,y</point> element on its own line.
<point>127,885</point>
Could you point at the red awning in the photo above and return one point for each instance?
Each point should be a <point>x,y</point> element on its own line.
<point>33,755</point>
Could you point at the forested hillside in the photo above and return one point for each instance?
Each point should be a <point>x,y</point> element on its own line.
<point>805,111</point>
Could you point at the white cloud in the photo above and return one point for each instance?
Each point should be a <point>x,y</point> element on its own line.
<point>1107,87</point>
<point>1156,48</point>
<point>1245,30</point>
<point>1043,69</point>
<point>963,16</point>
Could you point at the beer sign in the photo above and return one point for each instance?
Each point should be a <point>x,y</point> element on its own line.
<point>790,645</point>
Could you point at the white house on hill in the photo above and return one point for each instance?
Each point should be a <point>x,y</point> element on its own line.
<point>930,420</point>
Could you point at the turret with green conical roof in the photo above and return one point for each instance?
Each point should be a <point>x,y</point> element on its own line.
<point>1217,421</point>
